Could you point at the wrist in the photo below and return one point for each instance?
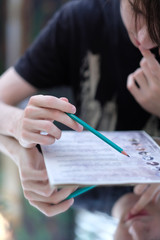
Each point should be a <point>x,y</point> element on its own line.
<point>10,120</point>
<point>10,147</point>
<point>14,123</point>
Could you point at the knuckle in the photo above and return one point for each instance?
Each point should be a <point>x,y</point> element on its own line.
<point>138,73</point>
<point>55,200</point>
<point>154,90</point>
<point>32,100</point>
<point>50,100</point>
<point>47,140</point>
<point>24,175</point>
<point>47,191</point>
<point>48,127</point>
<point>24,134</point>
<point>56,114</point>
<point>31,203</point>
<point>47,211</point>
<point>143,62</point>
<point>28,111</point>
<point>59,134</point>
<point>44,175</point>
<point>26,194</point>
<point>154,69</point>
<point>130,84</point>
<point>65,208</point>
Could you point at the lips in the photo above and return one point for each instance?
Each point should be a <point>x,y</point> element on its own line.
<point>139,214</point>
<point>136,41</point>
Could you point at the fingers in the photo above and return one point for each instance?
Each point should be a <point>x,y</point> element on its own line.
<point>41,126</point>
<point>141,90</point>
<point>145,76</point>
<point>52,102</point>
<point>54,198</point>
<point>53,204</point>
<point>31,132</point>
<point>38,117</point>
<point>139,77</point>
<point>36,186</point>
<point>142,202</point>
<point>146,197</point>
<point>150,66</point>
<point>33,175</point>
<point>37,114</point>
<point>64,99</point>
<point>144,83</point>
<point>41,188</point>
<point>151,60</point>
<point>140,188</point>
<point>52,210</point>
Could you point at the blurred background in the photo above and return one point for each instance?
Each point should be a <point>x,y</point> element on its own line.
<point>20,22</point>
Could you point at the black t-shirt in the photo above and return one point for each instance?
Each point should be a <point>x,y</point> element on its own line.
<point>84,42</point>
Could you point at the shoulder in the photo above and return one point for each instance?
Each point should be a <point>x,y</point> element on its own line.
<point>80,10</point>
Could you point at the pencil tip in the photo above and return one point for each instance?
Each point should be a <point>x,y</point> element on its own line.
<point>123,152</point>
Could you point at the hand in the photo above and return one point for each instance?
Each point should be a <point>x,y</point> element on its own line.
<point>147,194</point>
<point>36,187</point>
<point>38,117</point>
<point>144,83</point>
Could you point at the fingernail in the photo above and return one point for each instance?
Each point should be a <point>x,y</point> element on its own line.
<point>71,201</point>
<point>131,231</point>
<point>80,128</point>
<point>73,109</point>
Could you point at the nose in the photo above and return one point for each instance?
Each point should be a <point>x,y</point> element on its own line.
<point>144,38</point>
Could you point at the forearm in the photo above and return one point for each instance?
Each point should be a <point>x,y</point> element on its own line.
<point>13,89</point>
<point>38,116</point>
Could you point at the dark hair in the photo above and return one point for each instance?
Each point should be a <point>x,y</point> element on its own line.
<point>151,11</point>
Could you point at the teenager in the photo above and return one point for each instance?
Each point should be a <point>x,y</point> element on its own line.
<point>107,52</point>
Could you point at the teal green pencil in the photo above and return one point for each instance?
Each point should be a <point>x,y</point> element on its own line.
<point>101,136</point>
<point>98,134</point>
<point>79,191</point>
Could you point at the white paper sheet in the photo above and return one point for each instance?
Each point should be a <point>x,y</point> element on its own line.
<point>84,159</point>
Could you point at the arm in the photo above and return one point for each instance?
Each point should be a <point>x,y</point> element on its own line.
<point>148,79</point>
<point>26,125</point>
<point>13,89</point>
<point>34,178</point>
<point>43,65</point>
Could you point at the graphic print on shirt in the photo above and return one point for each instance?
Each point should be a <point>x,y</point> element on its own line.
<point>91,110</point>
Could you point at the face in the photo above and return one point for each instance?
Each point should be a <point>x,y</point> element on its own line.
<point>143,226</point>
<point>138,34</point>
